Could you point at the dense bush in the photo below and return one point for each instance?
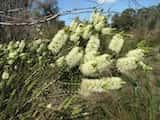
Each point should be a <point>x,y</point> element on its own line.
<point>88,54</point>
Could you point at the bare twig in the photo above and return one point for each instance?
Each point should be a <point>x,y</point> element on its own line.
<point>12,18</point>
<point>33,21</point>
<point>11,10</point>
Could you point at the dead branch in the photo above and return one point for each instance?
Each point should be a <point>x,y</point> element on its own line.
<point>47,19</point>
<point>11,10</point>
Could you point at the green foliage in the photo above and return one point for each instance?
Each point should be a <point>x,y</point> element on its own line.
<point>126,20</point>
<point>129,19</point>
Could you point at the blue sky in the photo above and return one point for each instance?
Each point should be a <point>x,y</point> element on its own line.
<point>118,5</point>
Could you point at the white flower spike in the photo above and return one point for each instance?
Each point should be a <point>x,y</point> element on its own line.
<point>137,53</point>
<point>116,43</point>
<point>126,64</point>
<point>89,86</point>
<point>93,44</point>
<point>74,57</point>
<point>58,42</point>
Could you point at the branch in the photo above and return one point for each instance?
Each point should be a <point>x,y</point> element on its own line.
<point>11,10</point>
<point>33,22</point>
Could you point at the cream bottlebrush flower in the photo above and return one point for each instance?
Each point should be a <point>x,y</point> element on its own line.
<point>126,64</point>
<point>89,68</point>
<point>5,75</point>
<point>74,56</point>
<point>137,53</point>
<point>99,26</point>
<point>116,43</point>
<point>58,42</point>
<point>87,31</point>
<point>103,62</point>
<point>80,29</point>
<point>95,17</point>
<point>74,37</point>
<point>113,83</point>
<point>98,17</point>
<point>93,44</point>
<point>89,86</point>
<point>74,24</point>
<point>94,67</point>
<point>60,62</point>
<point>90,56</point>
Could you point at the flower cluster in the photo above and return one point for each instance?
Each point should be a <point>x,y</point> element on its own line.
<point>134,58</point>
<point>89,86</point>
<point>87,31</point>
<point>126,64</point>
<point>99,21</point>
<point>93,63</point>
<point>93,44</point>
<point>58,41</point>
<point>16,52</point>
<point>116,43</point>
<point>96,66</point>
<point>138,54</point>
<point>74,57</point>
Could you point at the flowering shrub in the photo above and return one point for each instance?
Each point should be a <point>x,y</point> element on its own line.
<point>78,45</point>
<point>89,53</point>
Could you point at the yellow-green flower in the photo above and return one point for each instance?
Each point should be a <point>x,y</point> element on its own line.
<point>74,37</point>
<point>58,42</point>
<point>89,68</point>
<point>60,62</point>
<point>74,24</point>
<point>137,53</point>
<point>89,86</point>
<point>96,66</point>
<point>79,29</point>
<point>93,44</point>
<point>103,62</point>
<point>90,56</point>
<point>116,43</point>
<point>99,26</point>
<point>74,57</point>
<point>126,64</point>
<point>87,31</point>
